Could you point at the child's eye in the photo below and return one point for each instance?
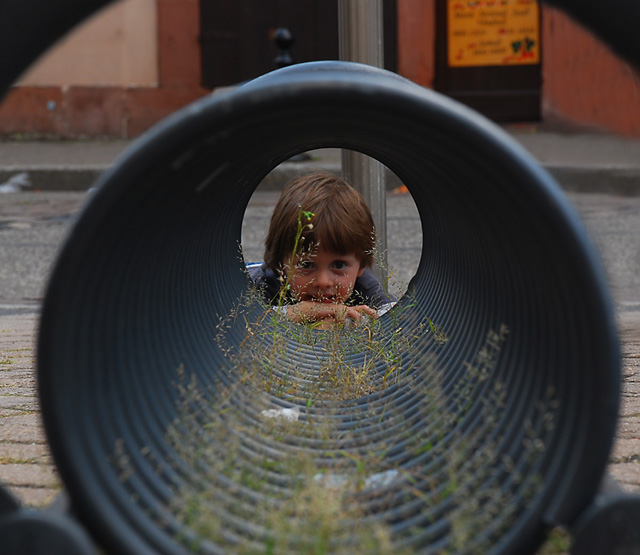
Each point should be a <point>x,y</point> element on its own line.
<point>339,264</point>
<point>305,264</point>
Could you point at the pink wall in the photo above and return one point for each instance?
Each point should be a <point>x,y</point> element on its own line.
<point>583,81</point>
<point>117,46</point>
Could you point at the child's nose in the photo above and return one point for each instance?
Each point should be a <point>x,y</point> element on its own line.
<point>324,279</point>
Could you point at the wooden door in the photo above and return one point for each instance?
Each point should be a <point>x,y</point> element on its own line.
<point>237,36</point>
<point>488,56</point>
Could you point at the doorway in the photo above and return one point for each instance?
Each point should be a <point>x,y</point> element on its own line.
<point>488,56</point>
<point>237,37</point>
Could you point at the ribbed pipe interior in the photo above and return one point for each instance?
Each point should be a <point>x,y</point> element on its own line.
<point>151,267</point>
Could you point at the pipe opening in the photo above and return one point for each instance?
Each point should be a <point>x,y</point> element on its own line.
<point>404,230</point>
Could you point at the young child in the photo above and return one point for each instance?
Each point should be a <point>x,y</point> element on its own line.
<point>327,279</point>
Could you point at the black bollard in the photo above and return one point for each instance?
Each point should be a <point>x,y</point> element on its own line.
<point>610,525</point>
<point>30,532</point>
<point>283,40</point>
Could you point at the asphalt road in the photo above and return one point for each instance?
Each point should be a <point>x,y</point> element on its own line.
<point>614,224</point>
<point>34,225</point>
<point>32,229</point>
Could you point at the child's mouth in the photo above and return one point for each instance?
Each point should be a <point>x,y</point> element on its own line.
<point>319,298</point>
<point>325,299</point>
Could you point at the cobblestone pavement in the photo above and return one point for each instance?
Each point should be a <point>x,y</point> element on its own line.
<point>26,466</point>
<point>625,459</point>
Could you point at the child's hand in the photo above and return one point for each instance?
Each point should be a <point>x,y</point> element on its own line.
<point>329,313</point>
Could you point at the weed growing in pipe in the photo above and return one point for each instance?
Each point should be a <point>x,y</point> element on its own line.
<point>294,498</point>
<point>273,466</point>
<point>281,457</point>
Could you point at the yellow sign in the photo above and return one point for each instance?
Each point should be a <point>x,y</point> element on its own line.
<point>493,32</point>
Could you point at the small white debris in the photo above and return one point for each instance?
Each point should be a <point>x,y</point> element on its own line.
<point>381,479</point>
<point>288,414</point>
<point>330,480</point>
<point>15,183</point>
<point>385,308</point>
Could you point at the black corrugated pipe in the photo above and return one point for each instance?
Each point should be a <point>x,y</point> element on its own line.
<point>149,268</point>
<point>152,264</point>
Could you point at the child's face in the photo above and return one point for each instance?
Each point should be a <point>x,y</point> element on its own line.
<point>323,276</point>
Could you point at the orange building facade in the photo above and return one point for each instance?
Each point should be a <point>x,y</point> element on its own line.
<point>583,84</point>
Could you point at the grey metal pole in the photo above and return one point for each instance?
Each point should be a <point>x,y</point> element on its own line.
<point>361,40</point>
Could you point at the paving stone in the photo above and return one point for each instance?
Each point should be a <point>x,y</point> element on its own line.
<point>627,475</point>
<point>21,434</point>
<point>629,408</point>
<point>35,497</point>
<point>626,450</point>
<point>15,402</point>
<point>19,453</point>
<point>30,475</point>
<point>628,427</point>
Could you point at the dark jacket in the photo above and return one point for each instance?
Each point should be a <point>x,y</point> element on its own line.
<point>367,289</point>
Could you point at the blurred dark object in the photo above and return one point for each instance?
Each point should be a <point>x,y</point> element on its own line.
<point>27,29</point>
<point>50,532</point>
<point>283,39</point>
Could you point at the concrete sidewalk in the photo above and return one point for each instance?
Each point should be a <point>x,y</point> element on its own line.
<point>583,162</point>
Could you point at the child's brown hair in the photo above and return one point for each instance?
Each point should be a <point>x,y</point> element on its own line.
<point>342,222</point>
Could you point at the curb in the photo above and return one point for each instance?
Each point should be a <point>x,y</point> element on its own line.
<point>55,178</point>
<point>623,181</point>
<point>614,180</point>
